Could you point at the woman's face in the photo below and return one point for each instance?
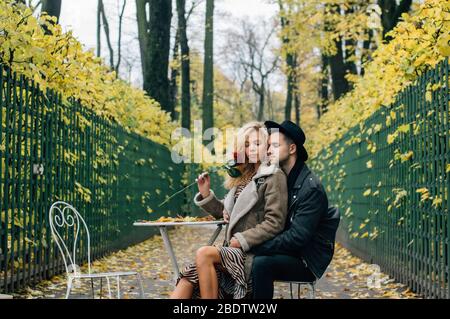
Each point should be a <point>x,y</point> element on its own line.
<point>255,146</point>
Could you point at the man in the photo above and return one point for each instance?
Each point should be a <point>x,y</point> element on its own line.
<point>303,251</point>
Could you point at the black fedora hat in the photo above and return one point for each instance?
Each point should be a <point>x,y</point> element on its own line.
<point>293,131</point>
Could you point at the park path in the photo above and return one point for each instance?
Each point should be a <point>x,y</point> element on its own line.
<point>346,278</point>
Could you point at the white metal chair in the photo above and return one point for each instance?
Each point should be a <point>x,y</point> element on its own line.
<point>65,219</point>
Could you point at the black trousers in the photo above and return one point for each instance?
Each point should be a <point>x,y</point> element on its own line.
<point>267,269</point>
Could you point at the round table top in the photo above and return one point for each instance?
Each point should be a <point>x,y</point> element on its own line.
<point>162,224</point>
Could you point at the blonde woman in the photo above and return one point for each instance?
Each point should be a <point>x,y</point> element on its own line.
<point>255,209</point>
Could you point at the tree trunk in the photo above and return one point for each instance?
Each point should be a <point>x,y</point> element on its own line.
<point>154,41</point>
<point>367,49</point>
<point>338,71</point>
<point>107,34</point>
<point>99,28</point>
<point>323,92</point>
<point>52,7</point>
<point>208,74</point>
<point>174,73</point>
<point>185,66</point>
<point>290,86</point>
<point>391,13</point>
<point>350,50</point>
<point>336,62</point>
<point>141,15</point>
<point>262,96</point>
<point>290,64</point>
<point>270,110</point>
<point>297,108</point>
<point>119,40</point>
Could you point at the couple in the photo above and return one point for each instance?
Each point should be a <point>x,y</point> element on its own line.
<point>279,226</point>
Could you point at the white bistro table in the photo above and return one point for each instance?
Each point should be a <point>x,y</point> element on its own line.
<point>168,245</point>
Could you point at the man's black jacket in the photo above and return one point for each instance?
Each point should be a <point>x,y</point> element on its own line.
<point>310,228</point>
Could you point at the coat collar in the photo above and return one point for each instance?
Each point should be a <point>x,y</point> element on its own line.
<point>304,173</point>
<point>265,170</point>
<point>301,177</point>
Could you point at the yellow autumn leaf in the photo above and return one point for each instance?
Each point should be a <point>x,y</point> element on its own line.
<point>437,201</point>
<point>422,190</point>
<point>443,44</point>
<point>406,156</point>
<point>425,194</point>
<point>388,121</point>
<point>393,115</point>
<point>403,128</point>
<point>391,138</point>
<point>428,96</point>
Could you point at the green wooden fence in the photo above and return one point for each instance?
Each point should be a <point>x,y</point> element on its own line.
<point>390,178</point>
<point>54,150</point>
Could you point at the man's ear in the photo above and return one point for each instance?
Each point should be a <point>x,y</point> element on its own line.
<point>292,149</point>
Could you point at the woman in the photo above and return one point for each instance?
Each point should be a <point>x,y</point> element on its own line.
<point>255,209</point>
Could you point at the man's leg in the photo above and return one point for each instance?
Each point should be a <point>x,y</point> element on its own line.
<point>267,269</point>
<point>262,277</point>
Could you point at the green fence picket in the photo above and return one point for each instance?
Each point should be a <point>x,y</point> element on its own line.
<point>394,225</point>
<point>113,177</point>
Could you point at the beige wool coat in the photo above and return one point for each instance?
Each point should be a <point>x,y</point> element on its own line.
<point>258,214</point>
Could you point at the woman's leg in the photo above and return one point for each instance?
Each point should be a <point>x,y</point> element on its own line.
<point>183,290</point>
<point>206,259</point>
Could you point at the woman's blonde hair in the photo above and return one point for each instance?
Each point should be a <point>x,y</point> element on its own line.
<point>248,169</point>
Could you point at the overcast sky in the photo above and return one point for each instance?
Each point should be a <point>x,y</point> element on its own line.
<point>80,16</point>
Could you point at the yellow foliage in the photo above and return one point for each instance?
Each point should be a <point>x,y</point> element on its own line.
<point>419,43</point>
<point>425,193</point>
<point>406,156</point>
<point>58,61</point>
<point>437,202</point>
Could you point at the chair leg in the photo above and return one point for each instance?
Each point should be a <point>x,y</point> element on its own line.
<point>69,287</point>
<point>92,288</point>
<point>299,287</point>
<point>141,287</point>
<point>313,289</point>
<point>109,288</point>
<point>292,293</point>
<point>101,288</point>
<point>118,287</point>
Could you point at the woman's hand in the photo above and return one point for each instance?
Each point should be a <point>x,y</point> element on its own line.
<point>204,184</point>
<point>235,243</point>
<point>226,216</point>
